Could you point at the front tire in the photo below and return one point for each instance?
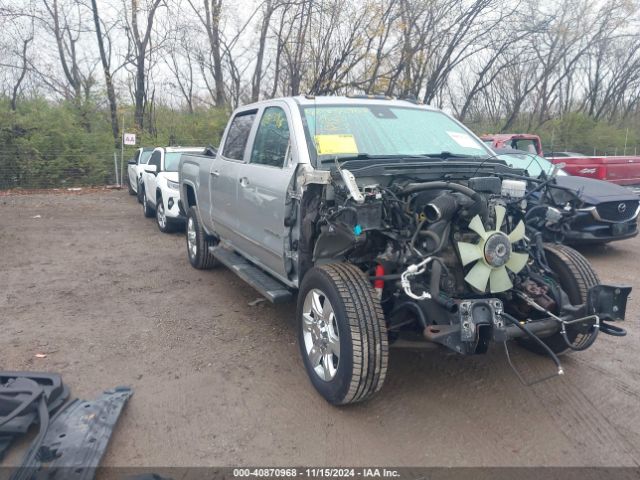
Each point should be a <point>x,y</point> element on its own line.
<point>576,276</point>
<point>198,243</point>
<point>342,333</point>
<point>147,211</point>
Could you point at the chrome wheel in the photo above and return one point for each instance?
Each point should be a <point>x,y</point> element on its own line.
<point>320,334</point>
<point>162,218</point>
<point>192,245</point>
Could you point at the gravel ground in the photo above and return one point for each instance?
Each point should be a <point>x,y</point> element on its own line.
<point>90,283</point>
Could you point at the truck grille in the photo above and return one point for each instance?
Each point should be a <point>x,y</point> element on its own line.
<point>618,211</point>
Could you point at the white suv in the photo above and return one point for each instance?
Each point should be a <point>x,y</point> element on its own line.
<point>135,168</point>
<point>160,190</point>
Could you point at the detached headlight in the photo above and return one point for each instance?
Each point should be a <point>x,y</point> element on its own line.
<point>173,185</point>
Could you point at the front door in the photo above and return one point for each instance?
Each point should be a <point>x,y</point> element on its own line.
<point>151,179</point>
<point>223,177</point>
<point>262,184</point>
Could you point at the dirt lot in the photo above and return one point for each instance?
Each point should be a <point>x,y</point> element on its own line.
<point>86,280</point>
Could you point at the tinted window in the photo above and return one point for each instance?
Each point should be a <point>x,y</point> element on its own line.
<point>524,145</point>
<point>272,138</point>
<point>155,159</point>
<point>238,135</point>
<point>144,157</point>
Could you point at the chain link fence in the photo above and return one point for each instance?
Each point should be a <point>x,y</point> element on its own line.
<point>29,167</point>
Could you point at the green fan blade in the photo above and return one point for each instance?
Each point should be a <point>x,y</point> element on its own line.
<point>469,252</point>
<point>499,280</point>
<point>518,233</point>
<point>517,261</point>
<point>476,226</point>
<point>478,276</point>
<point>500,211</point>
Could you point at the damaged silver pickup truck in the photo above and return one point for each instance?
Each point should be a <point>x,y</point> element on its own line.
<point>394,224</point>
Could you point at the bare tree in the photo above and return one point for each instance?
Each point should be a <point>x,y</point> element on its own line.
<point>67,28</point>
<point>211,22</point>
<point>141,40</point>
<point>23,72</point>
<point>105,58</point>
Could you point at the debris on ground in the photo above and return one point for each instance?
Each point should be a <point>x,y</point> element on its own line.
<point>74,438</point>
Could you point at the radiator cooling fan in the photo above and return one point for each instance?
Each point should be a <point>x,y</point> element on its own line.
<point>493,254</point>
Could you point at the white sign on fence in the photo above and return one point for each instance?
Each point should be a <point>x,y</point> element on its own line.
<point>129,139</point>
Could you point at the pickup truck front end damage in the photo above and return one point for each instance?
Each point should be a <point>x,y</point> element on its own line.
<point>454,263</point>
<point>395,226</point>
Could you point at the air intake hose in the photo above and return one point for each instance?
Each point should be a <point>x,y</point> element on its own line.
<point>479,204</point>
<point>441,208</point>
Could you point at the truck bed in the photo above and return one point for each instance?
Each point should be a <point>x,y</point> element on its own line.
<point>623,170</point>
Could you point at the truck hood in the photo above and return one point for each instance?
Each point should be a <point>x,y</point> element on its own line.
<point>173,176</point>
<point>594,191</point>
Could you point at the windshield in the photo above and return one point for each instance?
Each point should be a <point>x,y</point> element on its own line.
<point>145,156</point>
<point>533,164</point>
<point>171,161</point>
<point>387,131</point>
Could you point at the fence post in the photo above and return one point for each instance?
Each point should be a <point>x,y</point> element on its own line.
<point>115,165</point>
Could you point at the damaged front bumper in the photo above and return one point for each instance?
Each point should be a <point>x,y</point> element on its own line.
<point>483,320</point>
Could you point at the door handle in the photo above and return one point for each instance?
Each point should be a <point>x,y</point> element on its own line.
<point>244,181</point>
<point>215,173</point>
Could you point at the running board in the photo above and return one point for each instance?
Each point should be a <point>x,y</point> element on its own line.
<point>265,284</point>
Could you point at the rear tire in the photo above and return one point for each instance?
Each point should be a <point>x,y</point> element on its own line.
<point>140,191</point>
<point>576,276</point>
<point>164,224</point>
<point>131,191</point>
<point>342,333</point>
<point>147,210</point>
<point>198,243</point>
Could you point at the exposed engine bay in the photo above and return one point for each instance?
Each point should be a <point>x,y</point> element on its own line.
<point>458,263</point>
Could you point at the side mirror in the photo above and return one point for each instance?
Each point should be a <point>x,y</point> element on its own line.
<point>131,162</point>
<point>150,168</point>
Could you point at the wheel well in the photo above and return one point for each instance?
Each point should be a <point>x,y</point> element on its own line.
<point>191,197</point>
<point>158,193</point>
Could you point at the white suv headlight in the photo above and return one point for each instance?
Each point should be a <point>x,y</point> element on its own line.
<point>173,185</point>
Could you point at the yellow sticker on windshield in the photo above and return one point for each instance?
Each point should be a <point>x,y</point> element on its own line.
<point>335,144</point>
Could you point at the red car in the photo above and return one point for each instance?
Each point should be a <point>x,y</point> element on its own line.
<point>619,169</point>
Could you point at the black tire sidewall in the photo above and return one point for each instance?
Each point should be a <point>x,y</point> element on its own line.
<point>146,209</point>
<point>140,191</point>
<point>335,390</point>
<point>569,284</point>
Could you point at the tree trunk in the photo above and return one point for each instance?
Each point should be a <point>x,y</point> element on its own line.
<point>16,87</point>
<point>111,94</point>
<point>257,74</point>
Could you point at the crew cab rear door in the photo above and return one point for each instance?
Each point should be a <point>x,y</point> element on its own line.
<point>262,184</point>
